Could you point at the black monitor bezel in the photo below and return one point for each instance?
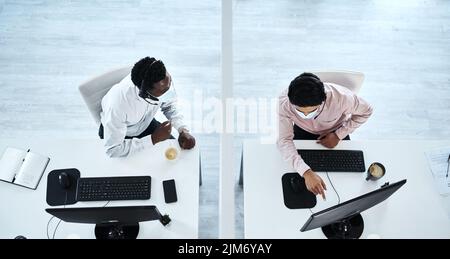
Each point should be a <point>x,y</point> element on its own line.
<point>398,184</point>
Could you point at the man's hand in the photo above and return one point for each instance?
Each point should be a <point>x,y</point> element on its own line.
<point>162,132</point>
<point>329,140</point>
<point>314,183</point>
<point>186,140</point>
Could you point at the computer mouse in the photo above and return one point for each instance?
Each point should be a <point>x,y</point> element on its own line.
<point>64,180</point>
<point>296,184</point>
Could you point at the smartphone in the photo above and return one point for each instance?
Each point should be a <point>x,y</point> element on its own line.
<point>170,192</point>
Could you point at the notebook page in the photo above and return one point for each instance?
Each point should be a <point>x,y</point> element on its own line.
<point>10,163</point>
<point>32,169</point>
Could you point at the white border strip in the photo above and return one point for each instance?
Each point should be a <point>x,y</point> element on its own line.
<point>227,179</point>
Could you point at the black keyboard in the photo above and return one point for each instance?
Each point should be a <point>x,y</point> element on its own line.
<point>114,188</point>
<point>333,160</point>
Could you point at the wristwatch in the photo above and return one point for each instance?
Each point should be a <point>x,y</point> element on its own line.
<point>183,130</point>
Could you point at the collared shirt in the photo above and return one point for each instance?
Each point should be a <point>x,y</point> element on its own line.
<point>124,113</point>
<point>342,112</point>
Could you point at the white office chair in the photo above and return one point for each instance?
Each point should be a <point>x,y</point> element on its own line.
<point>349,79</point>
<point>95,88</point>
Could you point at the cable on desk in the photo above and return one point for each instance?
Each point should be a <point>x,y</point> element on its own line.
<point>54,232</point>
<point>48,223</point>
<point>339,198</point>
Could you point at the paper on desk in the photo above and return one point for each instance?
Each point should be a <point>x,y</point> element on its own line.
<point>438,162</point>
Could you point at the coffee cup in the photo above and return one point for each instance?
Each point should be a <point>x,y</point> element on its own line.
<point>376,171</point>
<point>171,153</point>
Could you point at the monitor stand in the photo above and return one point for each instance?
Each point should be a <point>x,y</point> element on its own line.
<point>348,228</point>
<point>116,231</point>
<point>119,230</point>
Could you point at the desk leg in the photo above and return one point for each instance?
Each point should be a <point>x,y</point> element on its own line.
<point>200,170</point>
<point>241,171</point>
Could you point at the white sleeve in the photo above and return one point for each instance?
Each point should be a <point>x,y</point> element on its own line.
<point>172,113</point>
<point>115,130</point>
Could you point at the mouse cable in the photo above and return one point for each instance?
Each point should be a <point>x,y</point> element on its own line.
<point>50,220</point>
<point>48,223</point>
<point>339,198</point>
<point>54,232</point>
<point>61,220</point>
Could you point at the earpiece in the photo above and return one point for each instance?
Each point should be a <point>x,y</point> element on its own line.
<point>142,91</point>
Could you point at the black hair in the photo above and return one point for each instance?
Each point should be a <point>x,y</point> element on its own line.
<point>146,72</point>
<point>306,90</point>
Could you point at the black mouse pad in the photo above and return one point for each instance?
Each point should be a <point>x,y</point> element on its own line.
<point>303,199</point>
<point>56,194</point>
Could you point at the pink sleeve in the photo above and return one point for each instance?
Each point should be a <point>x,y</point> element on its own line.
<point>286,145</point>
<point>359,110</point>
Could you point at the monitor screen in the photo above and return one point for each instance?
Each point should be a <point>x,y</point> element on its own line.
<point>98,215</point>
<point>351,207</point>
<point>112,222</point>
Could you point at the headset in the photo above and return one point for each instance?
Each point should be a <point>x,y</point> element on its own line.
<point>313,77</point>
<point>309,75</point>
<point>143,91</point>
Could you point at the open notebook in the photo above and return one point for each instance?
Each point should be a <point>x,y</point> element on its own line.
<point>22,167</point>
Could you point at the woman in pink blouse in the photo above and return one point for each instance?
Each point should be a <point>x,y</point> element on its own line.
<point>313,110</point>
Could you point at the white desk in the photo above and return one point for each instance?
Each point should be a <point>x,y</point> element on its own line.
<point>415,211</point>
<point>23,210</point>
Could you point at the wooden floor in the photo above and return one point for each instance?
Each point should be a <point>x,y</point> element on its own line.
<point>47,48</point>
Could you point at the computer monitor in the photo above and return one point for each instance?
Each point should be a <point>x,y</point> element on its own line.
<point>344,220</point>
<point>111,222</point>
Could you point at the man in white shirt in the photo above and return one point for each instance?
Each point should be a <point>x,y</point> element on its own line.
<point>128,111</point>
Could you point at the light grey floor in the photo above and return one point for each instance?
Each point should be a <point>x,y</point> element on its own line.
<point>47,48</point>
